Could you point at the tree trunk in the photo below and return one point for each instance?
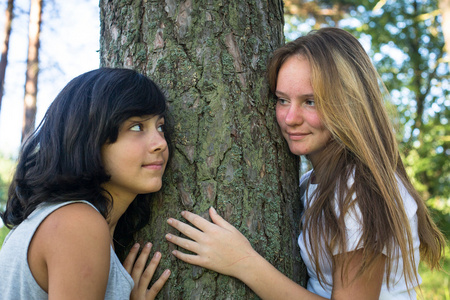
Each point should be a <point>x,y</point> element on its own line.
<point>31,81</point>
<point>5,47</point>
<point>444,7</point>
<point>210,59</point>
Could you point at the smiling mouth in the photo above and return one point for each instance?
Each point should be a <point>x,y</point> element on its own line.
<point>154,165</point>
<point>297,136</point>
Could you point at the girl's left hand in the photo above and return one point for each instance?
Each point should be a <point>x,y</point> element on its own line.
<point>143,277</point>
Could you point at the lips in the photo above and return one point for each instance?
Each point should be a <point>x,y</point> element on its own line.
<point>155,165</point>
<point>296,136</point>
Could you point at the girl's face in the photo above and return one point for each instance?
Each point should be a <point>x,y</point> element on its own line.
<point>296,112</point>
<point>137,160</point>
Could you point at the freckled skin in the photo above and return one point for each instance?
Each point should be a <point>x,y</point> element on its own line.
<point>296,113</point>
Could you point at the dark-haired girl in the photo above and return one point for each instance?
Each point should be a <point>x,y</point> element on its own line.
<point>82,187</point>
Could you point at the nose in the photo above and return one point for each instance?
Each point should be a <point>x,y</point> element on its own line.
<point>293,116</point>
<point>158,142</point>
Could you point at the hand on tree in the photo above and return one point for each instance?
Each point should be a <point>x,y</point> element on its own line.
<point>142,275</point>
<point>218,246</point>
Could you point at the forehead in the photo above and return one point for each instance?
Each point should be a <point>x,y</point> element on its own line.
<point>294,74</point>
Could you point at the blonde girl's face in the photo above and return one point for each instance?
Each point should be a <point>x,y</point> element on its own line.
<point>296,112</point>
<point>137,160</point>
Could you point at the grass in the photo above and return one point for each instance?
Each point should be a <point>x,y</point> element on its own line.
<point>436,284</point>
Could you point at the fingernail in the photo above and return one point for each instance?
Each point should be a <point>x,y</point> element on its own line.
<point>174,252</point>
<point>136,245</point>
<point>213,210</point>
<point>148,245</point>
<point>157,255</point>
<point>183,213</point>
<point>168,236</point>
<point>169,221</point>
<point>167,272</point>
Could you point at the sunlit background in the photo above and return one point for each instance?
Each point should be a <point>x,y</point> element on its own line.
<point>69,46</point>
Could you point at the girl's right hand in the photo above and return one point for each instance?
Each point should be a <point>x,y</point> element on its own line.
<point>143,277</point>
<point>217,246</point>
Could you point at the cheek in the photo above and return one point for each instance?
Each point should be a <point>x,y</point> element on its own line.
<point>166,156</point>
<point>315,121</point>
<point>280,116</point>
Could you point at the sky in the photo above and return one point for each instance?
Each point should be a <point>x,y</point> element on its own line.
<point>70,33</point>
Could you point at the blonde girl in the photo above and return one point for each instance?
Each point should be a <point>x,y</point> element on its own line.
<point>364,226</point>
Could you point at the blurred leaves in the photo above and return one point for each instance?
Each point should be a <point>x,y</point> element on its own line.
<point>7,166</point>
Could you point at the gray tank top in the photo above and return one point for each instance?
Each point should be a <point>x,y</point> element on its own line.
<point>16,280</point>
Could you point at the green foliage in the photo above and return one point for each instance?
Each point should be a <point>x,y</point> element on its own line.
<point>3,233</point>
<point>407,47</point>
<point>7,165</point>
<point>436,284</point>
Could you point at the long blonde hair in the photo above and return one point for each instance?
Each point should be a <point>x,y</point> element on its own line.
<point>349,98</point>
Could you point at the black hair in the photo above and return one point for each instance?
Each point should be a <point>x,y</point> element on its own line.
<point>61,161</point>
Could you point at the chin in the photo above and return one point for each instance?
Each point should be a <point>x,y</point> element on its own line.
<point>155,188</point>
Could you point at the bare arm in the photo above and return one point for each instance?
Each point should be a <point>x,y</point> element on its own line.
<point>367,286</point>
<point>222,248</point>
<point>69,257</point>
<point>69,254</point>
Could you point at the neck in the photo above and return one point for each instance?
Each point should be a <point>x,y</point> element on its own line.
<point>119,206</point>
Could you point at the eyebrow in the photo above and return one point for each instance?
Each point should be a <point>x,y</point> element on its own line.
<point>145,118</point>
<point>281,94</point>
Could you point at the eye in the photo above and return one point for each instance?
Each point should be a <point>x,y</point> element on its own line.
<point>137,127</point>
<point>161,128</point>
<point>281,101</point>
<point>310,102</point>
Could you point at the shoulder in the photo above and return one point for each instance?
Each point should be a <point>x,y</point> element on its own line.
<point>75,240</point>
<point>75,218</point>
<point>76,224</point>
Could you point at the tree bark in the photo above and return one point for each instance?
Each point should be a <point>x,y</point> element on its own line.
<point>210,59</point>
<point>31,81</point>
<point>5,46</point>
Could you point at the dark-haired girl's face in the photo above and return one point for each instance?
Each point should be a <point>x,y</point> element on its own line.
<point>137,159</point>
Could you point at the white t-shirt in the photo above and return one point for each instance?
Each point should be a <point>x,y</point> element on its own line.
<point>398,289</point>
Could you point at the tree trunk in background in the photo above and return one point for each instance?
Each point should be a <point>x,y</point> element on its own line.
<point>444,7</point>
<point>31,81</point>
<point>5,46</point>
<point>210,58</point>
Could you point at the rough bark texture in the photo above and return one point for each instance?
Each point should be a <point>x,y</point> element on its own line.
<point>210,59</point>
<point>31,81</point>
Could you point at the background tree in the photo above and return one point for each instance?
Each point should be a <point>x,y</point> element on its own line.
<point>5,45</point>
<point>444,9</point>
<point>31,81</point>
<point>210,59</point>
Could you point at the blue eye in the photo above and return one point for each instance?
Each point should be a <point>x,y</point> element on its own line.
<point>310,102</point>
<point>281,101</point>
